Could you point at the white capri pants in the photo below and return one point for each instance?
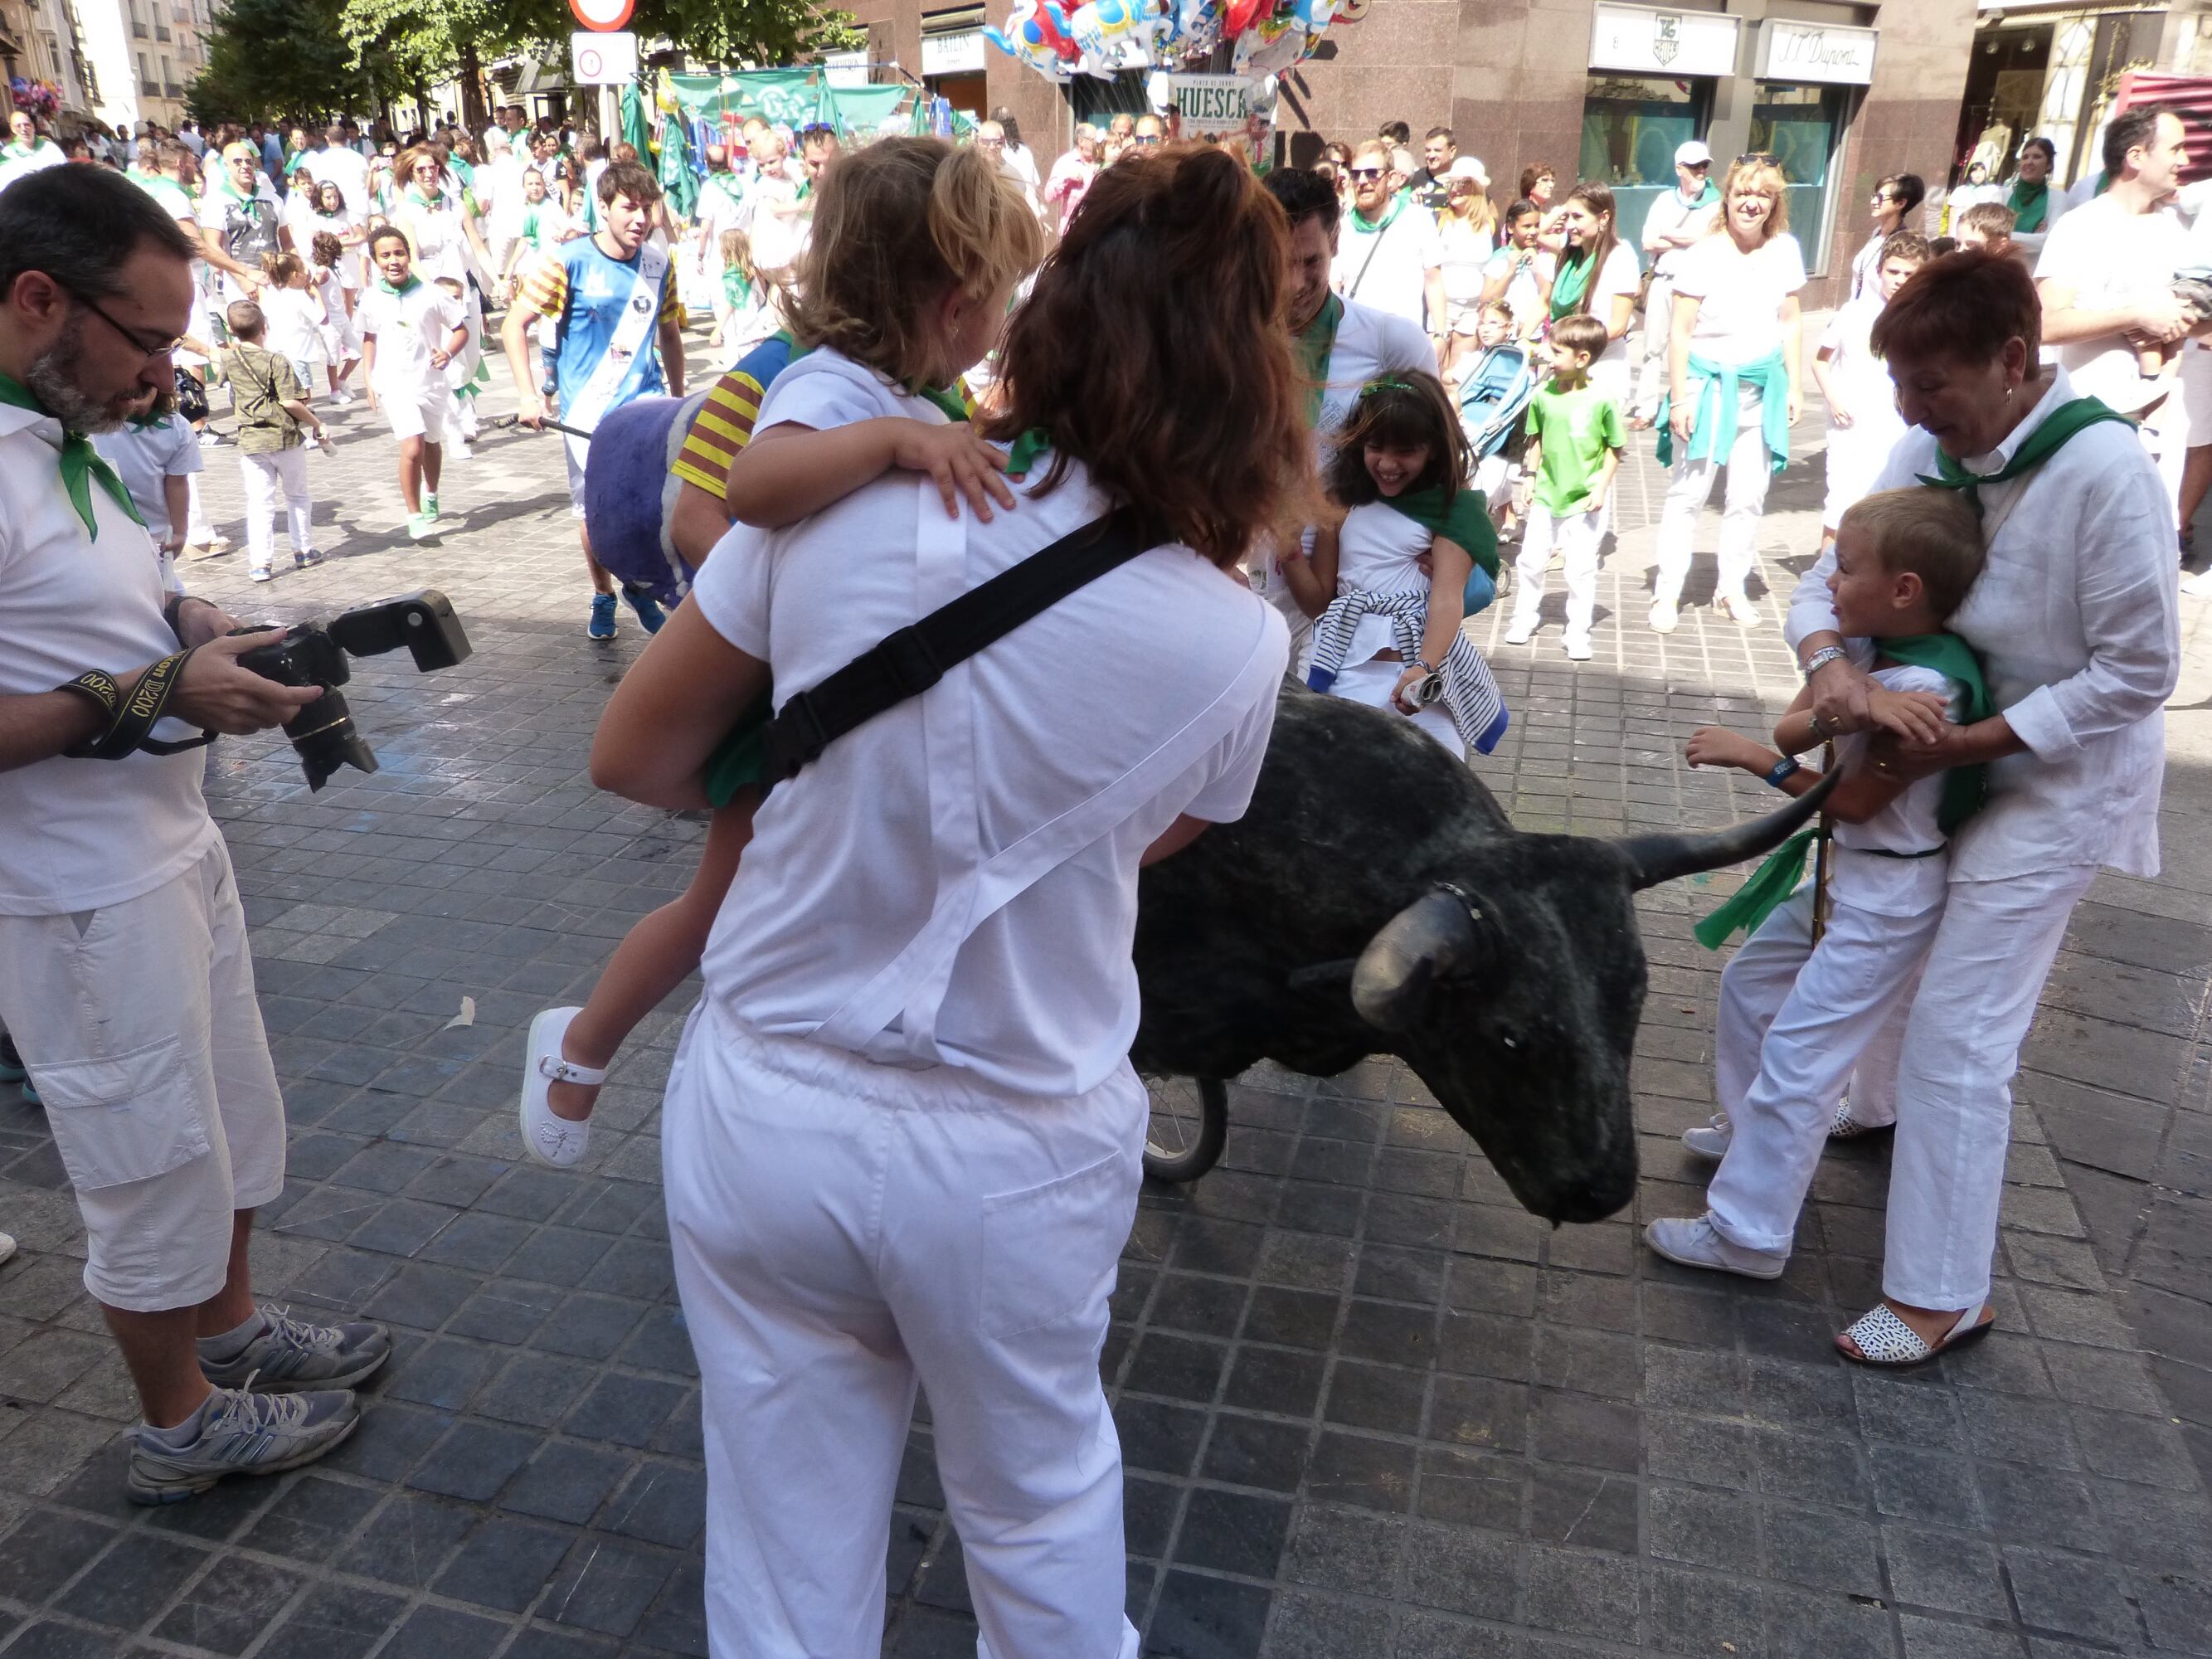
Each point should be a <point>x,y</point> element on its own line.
<point>1692,484</point>
<point>139,1025</point>
<point>1577,536</point>
<point>1794,1020</point>
<point>843,1231</point>
<point>264,476</point>
<point>1977,996</point>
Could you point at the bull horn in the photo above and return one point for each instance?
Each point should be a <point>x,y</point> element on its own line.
<point>1658,858</point>
<point>1411,951</point>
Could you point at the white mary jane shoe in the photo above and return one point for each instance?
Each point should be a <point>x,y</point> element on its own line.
<point>548,1138</point>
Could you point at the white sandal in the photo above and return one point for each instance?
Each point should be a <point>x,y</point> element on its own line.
<point>1845,1126</point>
<point>551,1138</point>
<point>1885,1341</point>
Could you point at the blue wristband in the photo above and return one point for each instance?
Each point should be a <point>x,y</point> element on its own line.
<point>1783,769</point>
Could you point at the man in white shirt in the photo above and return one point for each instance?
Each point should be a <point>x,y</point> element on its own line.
<point>1388,256</point>
<point>2105,278</point>
<point>1675,221</point>
<point>332,162</point>
<point>125,977</point>
<point>27,151</point>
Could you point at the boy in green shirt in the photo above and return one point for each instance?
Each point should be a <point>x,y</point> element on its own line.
<point>1575,440</point>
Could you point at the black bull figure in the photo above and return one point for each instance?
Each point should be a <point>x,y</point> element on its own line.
<point>1504,968</point>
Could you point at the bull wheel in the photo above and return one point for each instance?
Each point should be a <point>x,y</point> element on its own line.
<point>1188,1126</point>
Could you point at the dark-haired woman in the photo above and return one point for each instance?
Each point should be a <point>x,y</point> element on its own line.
<point>901,1142</point>
<point>1597,276</point>
<point>2035,206</point>
<point>1894,197</point>
<point>2074,619</point>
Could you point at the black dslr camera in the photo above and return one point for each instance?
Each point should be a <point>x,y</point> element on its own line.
<point>312,654</point>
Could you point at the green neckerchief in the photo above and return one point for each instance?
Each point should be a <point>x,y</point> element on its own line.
<point>1314,346</point>
<point>1774,882</point>
<point>415,193</point>
<point>219,184</point>
<point>1026,448</point>
<point>1572,283</point>
<point>2028,202</point>
<point>1360,227</point>
<point>1964,787</point>
<point>1466,520</point>
<point>412,283</point>
<point>1711,193</point>
<point>2041,445</point>
<point>16,152</point>
<point>81,463</point>
<point>948,398</point>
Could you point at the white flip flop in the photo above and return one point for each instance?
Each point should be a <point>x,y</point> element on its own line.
<point>549,1138</point>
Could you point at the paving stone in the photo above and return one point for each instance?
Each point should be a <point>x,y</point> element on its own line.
<point>334,1621</point>
<point>229,1606</point>
<point>504,1563</point>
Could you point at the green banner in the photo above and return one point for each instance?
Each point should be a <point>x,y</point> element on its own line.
<point>862,111</point>
<point>795,97</point>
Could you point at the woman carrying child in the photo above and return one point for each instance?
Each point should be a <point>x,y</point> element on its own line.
<point>902,1136</point>
<point>2075,619</point>
<point>915,253</point>
<point>1388,633</point>
<point>1733,391</point>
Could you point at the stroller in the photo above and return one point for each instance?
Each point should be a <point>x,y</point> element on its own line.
<point>1493,398</point>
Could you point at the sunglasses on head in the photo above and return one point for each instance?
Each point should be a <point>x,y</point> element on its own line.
<point>1760,157</point>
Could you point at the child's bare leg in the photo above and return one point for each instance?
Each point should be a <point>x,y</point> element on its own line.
<point>654,958</point>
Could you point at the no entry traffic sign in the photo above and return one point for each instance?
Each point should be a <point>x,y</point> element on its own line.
<point>603,15</point>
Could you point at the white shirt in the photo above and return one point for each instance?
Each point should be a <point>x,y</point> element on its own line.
<point>2075,617</point>
<point>2111,257</point>
<point>1618,276</point>
<point>78,834</point>
<point>968,859</point>
<point>1370,343</point>
<point>348,169</point>
<point>1465,256</point>
<point>1862,379</point>
<point>1669,213</point>
<point>1739,320</point>
<point>1910,824</point>
<point>826,389</point>
<point>1379,549</point>
<point>295,317</point>
<point>1387,267</point>
<point>1525,293</point>
<point>407,328</point>
<point>142,458</point>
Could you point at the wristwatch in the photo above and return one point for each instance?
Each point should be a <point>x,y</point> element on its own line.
<point>1783,769</point>
<point>1822,658</point>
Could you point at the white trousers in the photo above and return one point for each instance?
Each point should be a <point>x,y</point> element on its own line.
<point>197,530</point>
<point>1577,535</point>
<point>1794,1020</point>
<point>1651,372</point>
<point>1977,996</point>
<point>1687,492</point>
<point>842,1231</point>
<point>265,475</point>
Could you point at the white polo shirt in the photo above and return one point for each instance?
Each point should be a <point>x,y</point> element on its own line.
<point>407,328</point>
<point>2111,257</point>
<point>954,882</point>
<point>76,835</point>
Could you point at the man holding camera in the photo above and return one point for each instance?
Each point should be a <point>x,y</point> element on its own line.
<point>125,972</point>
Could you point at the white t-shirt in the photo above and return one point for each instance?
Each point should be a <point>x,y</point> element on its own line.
<point>1387,267</point>
<point>1619,276</point>
<point>1370,343</point>
<point>1525,293</point>
<point>2111,257</point>
<point>1147,694</point>
<point>1862,379</point>
<point>295,321</point>
<point>1379,549</point>
<point>1467,255</point>
<point>144,457</point>
<point>1739,320</point>
<point>78,834</point>
<point>407,328</point>
<point>1895,886</point>
<point>826,389</point>
<point>1668,212</point>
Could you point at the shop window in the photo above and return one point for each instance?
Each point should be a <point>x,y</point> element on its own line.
<point>1631,127</point>
<point>1801,126</point>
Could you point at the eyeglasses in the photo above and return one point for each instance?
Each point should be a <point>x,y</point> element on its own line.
<point>1148,137</point>
<point>132,335</point>
<point>1364,173</point>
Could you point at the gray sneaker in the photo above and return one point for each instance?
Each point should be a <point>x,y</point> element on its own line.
<point>241,1433</point>
<point>1693,1241</point>
<point>292,1356</point>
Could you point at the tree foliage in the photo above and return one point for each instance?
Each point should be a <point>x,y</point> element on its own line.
<point>282,59</point>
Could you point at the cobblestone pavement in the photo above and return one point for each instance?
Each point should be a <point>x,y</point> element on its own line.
<point>1369,1406</point>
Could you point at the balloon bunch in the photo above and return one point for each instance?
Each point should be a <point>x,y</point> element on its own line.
<point>1101,37</point>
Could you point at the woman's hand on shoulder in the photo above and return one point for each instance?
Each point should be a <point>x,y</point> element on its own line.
<point>962,464</point>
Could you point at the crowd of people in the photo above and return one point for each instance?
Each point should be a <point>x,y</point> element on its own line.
<point>911,1160</point>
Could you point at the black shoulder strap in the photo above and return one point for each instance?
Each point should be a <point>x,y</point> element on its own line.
<point>907,663</point>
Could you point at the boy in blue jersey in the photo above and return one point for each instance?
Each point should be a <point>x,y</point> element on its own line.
<point>611,301</point>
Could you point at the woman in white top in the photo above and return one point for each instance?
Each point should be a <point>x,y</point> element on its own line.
<point>438,220</point>
<point>1597,276</point>
<point>2074,619</point>
<point>1895,199</point>
<point>901,1138</point>
<point>1733,363</point>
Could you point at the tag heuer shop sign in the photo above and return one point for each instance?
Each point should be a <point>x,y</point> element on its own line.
<point>1210,103</point>
<point>1791,50</point>
<point>1646,41</point>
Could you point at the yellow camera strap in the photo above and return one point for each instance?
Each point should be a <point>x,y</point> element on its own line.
<point>131,720</point>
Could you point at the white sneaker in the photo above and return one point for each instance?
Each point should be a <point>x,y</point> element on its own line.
<point>1577,646</point>
<point>1520,633</point>
<point>1691,1242</point>
<point>1711,1139</point>
<point>341,399</point>
<point>261,573</point>
<point>1738,610</point>
<point>1666,617</point>
<point>546,1136</point>
<point>7,1246</point>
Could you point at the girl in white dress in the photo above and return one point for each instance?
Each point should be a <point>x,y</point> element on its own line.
<point>1388,633</point>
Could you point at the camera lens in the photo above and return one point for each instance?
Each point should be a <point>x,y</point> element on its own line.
<point>324,737</point>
